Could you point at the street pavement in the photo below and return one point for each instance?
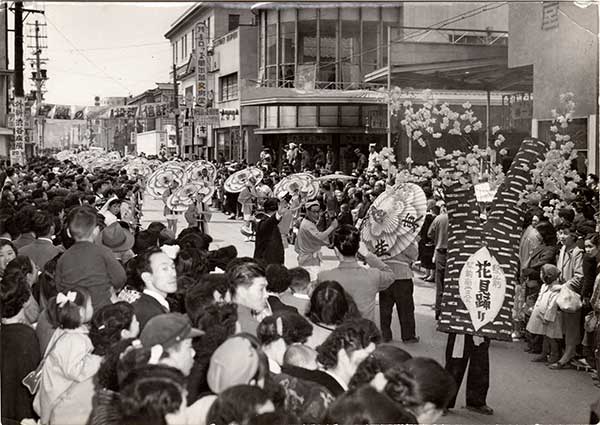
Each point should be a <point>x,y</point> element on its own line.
<point>520,391</point>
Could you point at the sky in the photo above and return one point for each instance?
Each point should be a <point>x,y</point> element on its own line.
<point>104,49</point>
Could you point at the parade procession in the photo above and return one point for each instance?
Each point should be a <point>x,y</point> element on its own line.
<point>242,213</point>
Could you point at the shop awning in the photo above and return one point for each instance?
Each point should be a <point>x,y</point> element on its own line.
<point>6,131</point>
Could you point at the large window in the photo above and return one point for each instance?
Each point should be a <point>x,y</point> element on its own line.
<point>287,46</point>
<point>234,22</point>
<point>307,36</point>
<point>328,47</point>
<point>371,39</point>
<point>228,87</point>
<point>272,46</point>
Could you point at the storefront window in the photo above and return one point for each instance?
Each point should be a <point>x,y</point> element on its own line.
<point>307,36</point>
<point>307,116</point>
<point>350,116</point>
<point>328,116</point>
<point>287,116</point>
<point>271,116</point>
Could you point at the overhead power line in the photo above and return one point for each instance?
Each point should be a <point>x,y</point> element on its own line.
<point>86,57</point>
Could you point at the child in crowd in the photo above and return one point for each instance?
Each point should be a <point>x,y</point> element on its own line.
<point>86,264</point>
<point>546,317</point>
<point>68,358</point>
<point>298,294</point>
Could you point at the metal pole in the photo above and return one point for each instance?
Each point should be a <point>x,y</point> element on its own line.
<point>389,86</point>
<point>175,107</point>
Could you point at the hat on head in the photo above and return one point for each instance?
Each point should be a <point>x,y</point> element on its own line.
<point>356,150</point>
<point>235,362</point>
<point>311,204</point>
<point>292,145</point>
<point>116,238</point>
<point>167,330</point>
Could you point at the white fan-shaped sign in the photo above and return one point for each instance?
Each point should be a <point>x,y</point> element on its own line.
<point>482,287</point>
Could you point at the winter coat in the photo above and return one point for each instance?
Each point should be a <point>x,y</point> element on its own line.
<point>545,319</point>
<point>69,361</point>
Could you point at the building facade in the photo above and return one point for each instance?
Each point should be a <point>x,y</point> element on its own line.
<point>321,67</point>
<point>560,41</point>
<point>231,60</point>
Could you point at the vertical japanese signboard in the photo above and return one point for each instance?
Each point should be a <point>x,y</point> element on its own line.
<point>19,131</point>
<point>201,68</point>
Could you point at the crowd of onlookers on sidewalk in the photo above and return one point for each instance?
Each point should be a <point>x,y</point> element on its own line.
<point>106,321</point>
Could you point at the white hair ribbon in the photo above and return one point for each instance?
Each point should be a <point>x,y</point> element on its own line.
<point>156,353</point>
<point>170,250</point>
<point>62,299</point>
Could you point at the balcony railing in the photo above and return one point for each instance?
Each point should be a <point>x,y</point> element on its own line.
<point>320,85</point>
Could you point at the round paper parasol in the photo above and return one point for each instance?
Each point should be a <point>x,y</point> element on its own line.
<point>114,156</point>
<point>342,177</point>
<point>64,155</point>
<point>394,220</point>
<point>183,197</point>
<point>303,184</point>
<point>236,182</point>
<point>161,178</point>
<point>193,171</point>
<point>140,168</point>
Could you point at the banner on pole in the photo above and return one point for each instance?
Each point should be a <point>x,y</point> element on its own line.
<point>201,68</point>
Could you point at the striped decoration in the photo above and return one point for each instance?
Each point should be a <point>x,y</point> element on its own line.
<point>501,233</point>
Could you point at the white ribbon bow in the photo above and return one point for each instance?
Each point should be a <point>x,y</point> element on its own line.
<point>62,299</point>
<point>156,353</point>
<point>170,250</point>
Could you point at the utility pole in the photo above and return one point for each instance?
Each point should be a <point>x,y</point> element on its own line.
<point>18,9</point>
<point>176,110</point>
<point>39,77</point>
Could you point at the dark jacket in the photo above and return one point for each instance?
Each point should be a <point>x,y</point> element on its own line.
<point>543,255</point>
<point>20,355</point>
<point>146,307</point>
<point>269,245</point>
<point>277,305</point>
<point>316,376</point>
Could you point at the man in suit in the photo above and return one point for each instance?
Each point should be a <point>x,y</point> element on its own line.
<point>361,283</point>
<point>42,249</point>
<point>269,245</point>
<point>157,271</point>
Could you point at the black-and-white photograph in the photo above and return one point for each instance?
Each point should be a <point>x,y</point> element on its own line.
<point>285,213</point>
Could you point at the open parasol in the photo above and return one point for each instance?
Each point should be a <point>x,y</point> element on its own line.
<point>394,220</point>
<point>183,197</point>
<point>236,182</point>
<point>303,184</point>
<point>193,171</point>
<point>342,177</point>
<point>161,178</point>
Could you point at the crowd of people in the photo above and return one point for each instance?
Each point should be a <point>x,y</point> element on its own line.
<point>106,321</point>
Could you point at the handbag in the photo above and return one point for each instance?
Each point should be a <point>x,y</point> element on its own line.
<point>568,300</point>
<point>33,378</point>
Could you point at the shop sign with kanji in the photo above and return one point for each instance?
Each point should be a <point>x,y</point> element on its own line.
<point>482,287</point>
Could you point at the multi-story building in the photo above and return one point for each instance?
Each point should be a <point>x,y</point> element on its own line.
<point>320,68</point>
<point>231,62</point>
<point>559,40</point>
